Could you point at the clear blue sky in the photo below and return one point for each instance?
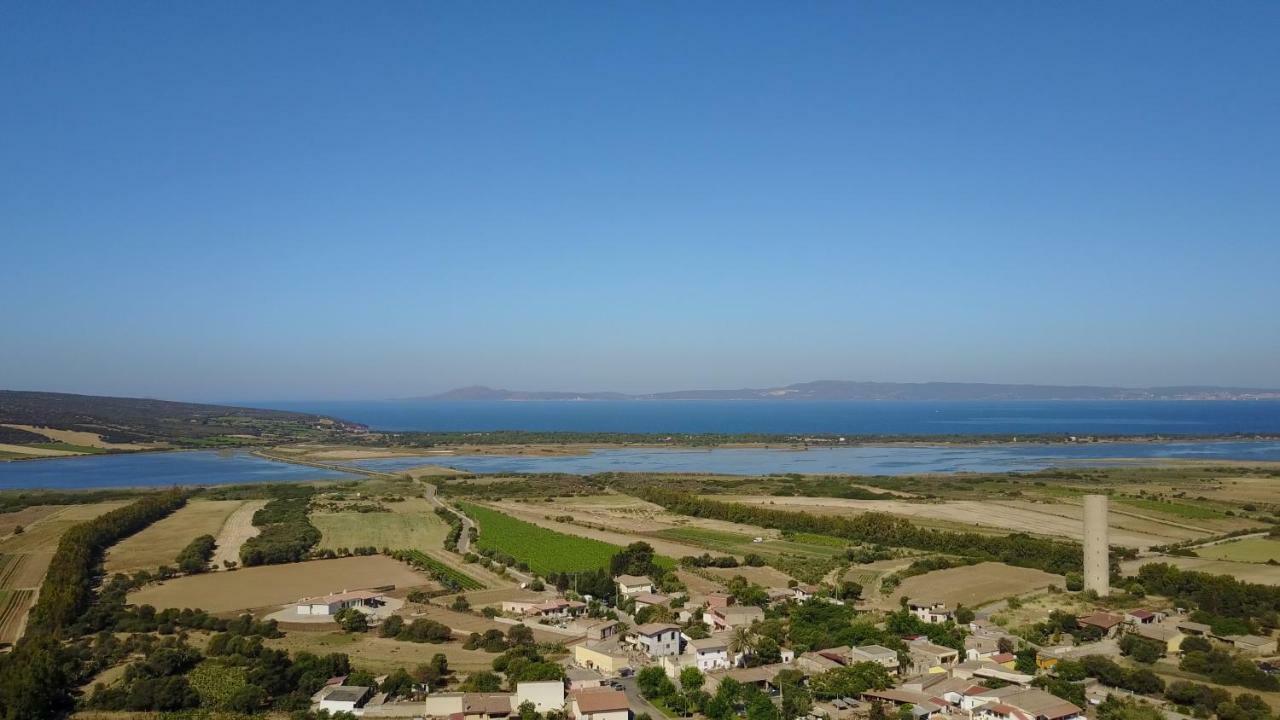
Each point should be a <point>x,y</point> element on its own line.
<point>246,200</point>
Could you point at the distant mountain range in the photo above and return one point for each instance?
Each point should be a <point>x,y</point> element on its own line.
<point>848,390</point>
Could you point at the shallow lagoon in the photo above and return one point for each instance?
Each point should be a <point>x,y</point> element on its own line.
<point>862,460</point>
<point>197,467</point>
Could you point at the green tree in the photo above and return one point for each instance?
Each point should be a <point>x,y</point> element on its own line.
<point>351,620</point>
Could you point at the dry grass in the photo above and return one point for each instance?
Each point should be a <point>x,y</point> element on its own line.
<point>269,586</point>
<point>80,437</point>
<point>974,585</point>
<point>236,529</point>
<point>766,576</point>
<point>411,524</point>
<point>25,517</point>
<point>1248,572</point>
<point>159,543</point>
<point>1250,550</point>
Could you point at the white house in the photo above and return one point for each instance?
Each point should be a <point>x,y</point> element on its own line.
<point>629,585</point>
<point>341,698</point>
<point>657,639</point>
<point>331,604</point>
<point>930,611</point>
<point>544,694</point>
<point>711,653</point>
<point>599,704</point>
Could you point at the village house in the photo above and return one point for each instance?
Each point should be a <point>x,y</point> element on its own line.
<point>930,611</point>
<point>1108,623</point>
<point>803,592</point>
<point>921,706</point>
<point>711,653</point>
<point>331,604</point>
<point>876,654</point>
<point>732,616</point>
<point>487,706</point>
<point>656,639</point>
<point>594,629</point>
<point>558,609</point>
<point>1025,704</point>
<point>987,669</point>
<point>779,595</point>
<point>644,600</point>
<point>929,658</point>
<point>763,677</point>
<point>629,585</point>
<point>581,678</point>
<point>599,704</point>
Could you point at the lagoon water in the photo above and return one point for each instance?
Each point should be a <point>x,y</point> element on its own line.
<point>1170,418</point>
<point>198,467</point>
<point>864,460</point>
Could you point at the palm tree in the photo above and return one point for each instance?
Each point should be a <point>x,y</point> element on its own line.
<point>743,641</point>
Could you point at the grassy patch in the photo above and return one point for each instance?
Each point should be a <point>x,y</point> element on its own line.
<point>1182,510</point>
<point>1251,550</point>
<point>68,447</point>
<point>410,524</point>
<point>215,683</point>
<point>544,550</point>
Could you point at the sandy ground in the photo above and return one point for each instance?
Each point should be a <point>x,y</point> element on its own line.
<point>272,585</point>
<point>35,451</point>
<point>974,585</point>
<point>236,529</point>
<point>1060,520</point>
<point>79,437</point>
<point>1248,572</point>
<point>159,543</point>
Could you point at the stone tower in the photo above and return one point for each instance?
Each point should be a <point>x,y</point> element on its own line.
<point>1097,564</point>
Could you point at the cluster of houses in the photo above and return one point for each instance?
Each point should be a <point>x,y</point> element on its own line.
<point>583,698</point>
<point>933,682</point>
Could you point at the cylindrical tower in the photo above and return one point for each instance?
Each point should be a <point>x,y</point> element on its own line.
<point>1097,564</point>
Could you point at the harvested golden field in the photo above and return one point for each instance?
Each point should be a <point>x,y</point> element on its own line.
<point>159,543</point>
<point>236,529</point>
<point>411,525</point>
<point>25,517</point>
<point>1246,571</point>
<point>974,585</point>
<point>1054,519</point>
<point>382,655</point>
<point>268,586</point>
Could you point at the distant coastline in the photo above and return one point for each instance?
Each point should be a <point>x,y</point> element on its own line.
<point>845,390</point>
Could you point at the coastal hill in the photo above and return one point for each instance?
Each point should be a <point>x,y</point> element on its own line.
<point>849,390</point>
<point>48,420</point>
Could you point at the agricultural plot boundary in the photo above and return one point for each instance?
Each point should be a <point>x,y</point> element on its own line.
<point>445,575</point>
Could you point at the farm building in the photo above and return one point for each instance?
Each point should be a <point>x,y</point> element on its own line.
<point>1195,629</point>
<point>604,657</point>
<point>341,698</point>
<point>1166,633</point>
<point>331,604</point>
<point>594,629</point>
<point>1143,617</point>
<point>1253,644</point>
<point>1108,623</point>
<point>599,704</point>
<point>644,600</point>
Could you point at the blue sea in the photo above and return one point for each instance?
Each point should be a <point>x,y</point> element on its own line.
<point>1170,418</point>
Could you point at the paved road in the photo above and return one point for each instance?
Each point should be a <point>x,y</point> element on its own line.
<point>636,700</point>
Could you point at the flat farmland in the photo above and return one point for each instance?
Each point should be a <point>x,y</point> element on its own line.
<point>25,517</point>
<point>544,550</point>
<point>1054,519</point>
<point>272,585</point>
<point>973,585</point>
<point>1246,571</point>
<point>236,529</point>
<point>411,525</point>
<point>159,543</point>
<point>24,560</point>
<point>382,655</point>
<point>1249,550</point>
